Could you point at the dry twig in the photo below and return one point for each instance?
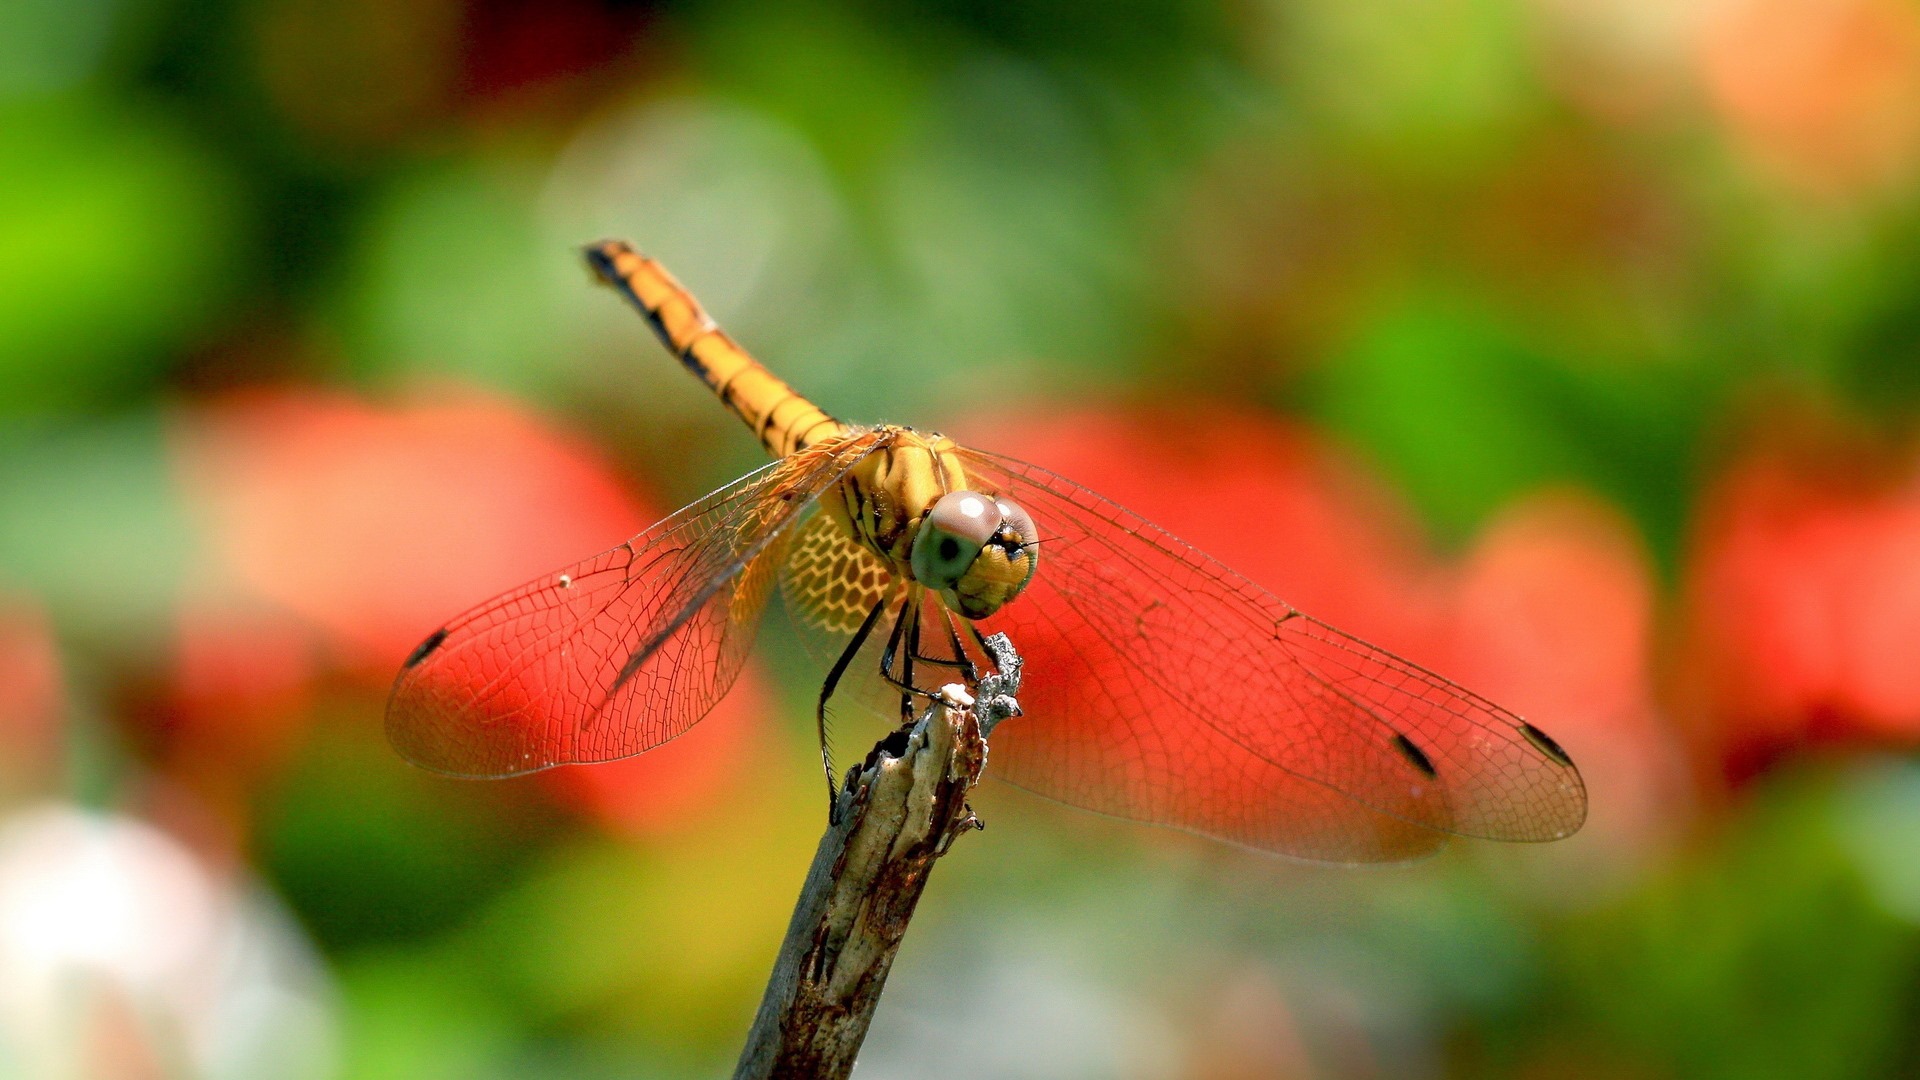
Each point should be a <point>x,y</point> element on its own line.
<point>900,810</point>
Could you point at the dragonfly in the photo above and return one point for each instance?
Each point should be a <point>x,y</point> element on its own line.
<point>1165,687</point>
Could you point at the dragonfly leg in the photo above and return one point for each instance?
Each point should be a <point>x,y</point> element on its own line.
<point>959,661</point>
<point>912,612</point>
<point>894,641</point>
<point>985,649</point>
<point>902,651</point>
<point>826,691</point>
<point>907,690</point>
<point>966,664</point>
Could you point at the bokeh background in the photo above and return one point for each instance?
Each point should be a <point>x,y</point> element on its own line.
<point>1571,347</point>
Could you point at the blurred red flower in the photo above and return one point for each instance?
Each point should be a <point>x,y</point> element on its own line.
<point>32,699</point>
<point>669,787</point>
<point>340,533</point>
<point>1550,613</point>
<point>524,51</point>
<point>373,525</point>
<point>1267,500</point>
<point>1270,499</point>
<point>243,673</point>
<point>1803,603</point>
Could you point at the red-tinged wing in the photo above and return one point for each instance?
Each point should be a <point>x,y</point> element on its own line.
<point>1164,687</point>
<point>619,653</point>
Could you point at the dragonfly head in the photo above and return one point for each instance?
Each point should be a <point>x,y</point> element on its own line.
<point>976,551</point>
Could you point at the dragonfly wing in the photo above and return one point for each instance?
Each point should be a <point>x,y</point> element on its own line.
<point>832,582</point>
<point>621,652</point>
<point>1164,686</point>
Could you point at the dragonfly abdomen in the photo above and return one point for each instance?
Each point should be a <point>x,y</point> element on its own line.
<point>779,416</point>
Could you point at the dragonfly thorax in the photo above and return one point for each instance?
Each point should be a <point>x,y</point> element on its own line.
<point>910,504</point>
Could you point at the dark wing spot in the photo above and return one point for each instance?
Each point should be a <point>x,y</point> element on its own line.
<point>1416,756</point>
<point>426,647</point>
<point>1545,744</point>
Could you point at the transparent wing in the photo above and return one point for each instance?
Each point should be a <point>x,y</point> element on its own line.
<point>619,653</point>
<point>1164,687</point>
<point>831,582</point>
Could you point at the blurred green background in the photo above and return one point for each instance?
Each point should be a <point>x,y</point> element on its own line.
<point>1569,346</point>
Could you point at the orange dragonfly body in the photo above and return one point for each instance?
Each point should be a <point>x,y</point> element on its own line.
<point>1174,691</point>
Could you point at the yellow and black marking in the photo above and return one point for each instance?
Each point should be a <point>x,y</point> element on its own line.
<point>885,497</point>
<point>779,417</point>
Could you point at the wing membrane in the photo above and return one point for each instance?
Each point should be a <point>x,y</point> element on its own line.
<point>831,582</point>
<point>621,652</point>
<point>1165,687</point>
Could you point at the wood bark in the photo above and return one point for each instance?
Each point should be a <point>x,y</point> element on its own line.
<point>899,812</point>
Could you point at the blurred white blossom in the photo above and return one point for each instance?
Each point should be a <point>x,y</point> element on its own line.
<point>122,954</point>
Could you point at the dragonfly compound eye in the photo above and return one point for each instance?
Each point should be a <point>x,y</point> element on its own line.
<point>978,552</point>
<point>951,537</point>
